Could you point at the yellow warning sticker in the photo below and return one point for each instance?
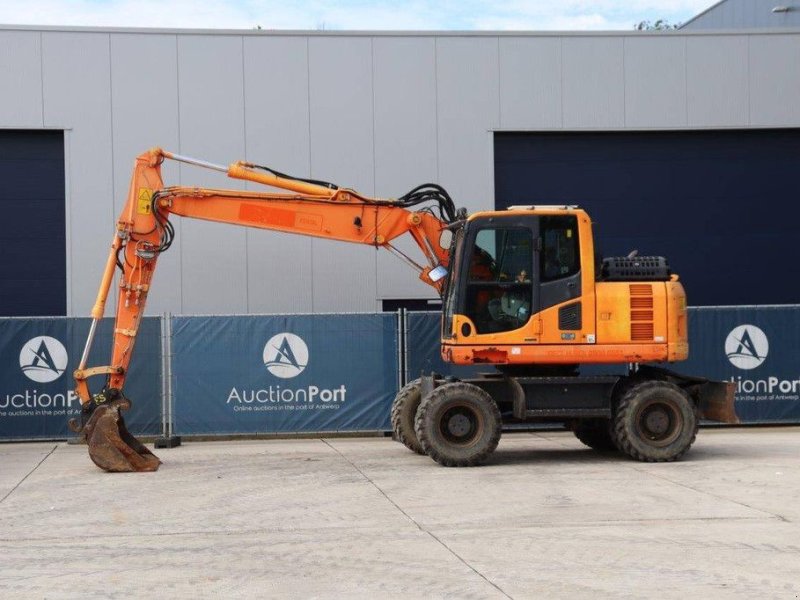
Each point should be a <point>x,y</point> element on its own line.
<point>145,201</point>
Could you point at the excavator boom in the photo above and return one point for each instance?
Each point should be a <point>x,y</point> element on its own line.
<point>143,232</point>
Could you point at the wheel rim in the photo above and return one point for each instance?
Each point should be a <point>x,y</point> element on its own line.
<point>460,425</point>
<point>659,422</point>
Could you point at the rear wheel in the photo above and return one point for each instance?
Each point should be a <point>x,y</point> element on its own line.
<point>404,410</point>
<point>595,433</point>
<point>655,421</point>
<point>458,425</point>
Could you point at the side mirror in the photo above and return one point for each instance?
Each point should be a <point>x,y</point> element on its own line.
<point>437,273</point>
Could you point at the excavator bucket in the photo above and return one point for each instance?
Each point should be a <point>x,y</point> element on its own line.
<point>111,445</point>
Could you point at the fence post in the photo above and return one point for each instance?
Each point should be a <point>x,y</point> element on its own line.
<point>168,439</point>
<point>164,373</point>
<point>400,354</point>
<point>406,373</point>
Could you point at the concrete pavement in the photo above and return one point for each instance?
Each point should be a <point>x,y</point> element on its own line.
<point>365,518</point>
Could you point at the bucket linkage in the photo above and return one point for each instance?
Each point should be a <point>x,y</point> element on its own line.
<point>111,445</point>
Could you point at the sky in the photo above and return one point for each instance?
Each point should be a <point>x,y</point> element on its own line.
<point>352,14</point>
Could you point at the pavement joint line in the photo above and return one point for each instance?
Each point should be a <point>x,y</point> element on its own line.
<point>420,527</point>
<point>615,523</point>
<point>707,493</point>
<point>21,481</point>
<point>272,530</point>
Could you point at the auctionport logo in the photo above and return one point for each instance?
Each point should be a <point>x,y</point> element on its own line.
<point>43,359</point>
<point>286,355</point>
<point>746,347</point>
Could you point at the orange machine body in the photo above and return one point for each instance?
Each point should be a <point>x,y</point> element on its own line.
<point>622,321</point>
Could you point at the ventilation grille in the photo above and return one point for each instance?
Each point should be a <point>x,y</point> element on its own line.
<point>642,332</point>
<point>641,298</point>
<point>569,317</point>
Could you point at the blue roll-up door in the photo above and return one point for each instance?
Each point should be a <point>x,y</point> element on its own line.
<point>722,206</point>
<point>33,265</point>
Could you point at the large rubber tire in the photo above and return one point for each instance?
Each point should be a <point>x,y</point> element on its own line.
<point>458,425</point>
<point>598,434</point>
<point>404,410</point>
<point>655,421</point>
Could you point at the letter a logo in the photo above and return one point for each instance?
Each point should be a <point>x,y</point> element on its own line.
<point>746,347</point>
<point>43,359</point>
<point>285,355</point>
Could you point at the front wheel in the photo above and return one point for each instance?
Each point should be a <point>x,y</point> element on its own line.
<point>655,421</point>
<point>458,425</point>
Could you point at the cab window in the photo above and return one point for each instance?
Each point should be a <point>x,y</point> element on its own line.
<point>499,287</point>
<point>560,255</point>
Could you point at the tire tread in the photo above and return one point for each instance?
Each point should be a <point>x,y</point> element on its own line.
<point>437,454</point>
<point>624,407</point>
<point>401,405</point>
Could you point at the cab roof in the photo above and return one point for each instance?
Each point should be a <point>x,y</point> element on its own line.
<point>531,209</point>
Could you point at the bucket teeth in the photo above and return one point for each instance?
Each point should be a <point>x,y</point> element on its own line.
<point>111,446</point>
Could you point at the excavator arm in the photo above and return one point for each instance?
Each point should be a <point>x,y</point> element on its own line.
<point>307,207</point>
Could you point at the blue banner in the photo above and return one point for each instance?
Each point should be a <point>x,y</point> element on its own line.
<point>37,358</point>
<point>292,373</point>
<point>757,349</point>
<point>423,342</point>
<point>317,373</point>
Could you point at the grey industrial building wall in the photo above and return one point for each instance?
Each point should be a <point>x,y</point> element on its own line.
<point>377,112</point>
<point>745,14</point>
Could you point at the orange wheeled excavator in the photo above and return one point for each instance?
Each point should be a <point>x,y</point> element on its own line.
<point>522,294</point>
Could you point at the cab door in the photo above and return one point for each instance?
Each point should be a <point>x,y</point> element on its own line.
<point>500,290</point>
<point>560,276</point>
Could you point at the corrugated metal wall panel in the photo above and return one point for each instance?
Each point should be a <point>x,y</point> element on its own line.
<point>21,74</point>
<point>742,14</point>
<point>530,83</point>
<point>144,97</point>
<point>211,104</point>
<point>655,82</point>
<point>77,95</point>
<point>405,143</point>
<point>594,86</point>
<point>468,109</point>
<point>716,79</point>
<point>340,72</point>
<point>774,79</point>
<point>279,267</point>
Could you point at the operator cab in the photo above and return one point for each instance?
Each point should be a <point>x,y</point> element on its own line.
<point>510,265</point>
